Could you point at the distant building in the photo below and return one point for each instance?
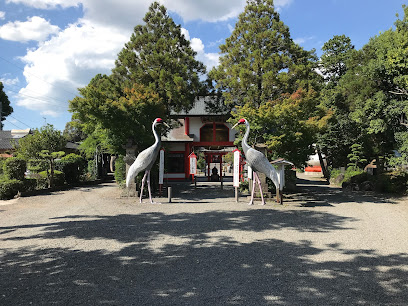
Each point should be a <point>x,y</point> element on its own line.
<point>201,130</point>
<point>9,138</point>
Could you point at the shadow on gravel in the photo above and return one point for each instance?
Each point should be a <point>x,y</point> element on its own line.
<point>185,259</point>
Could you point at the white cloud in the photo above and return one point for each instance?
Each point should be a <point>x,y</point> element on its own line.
<point>2,15</point>
<point>9,82</point>
<point>72,56</point>
<point>47,4</point>
<point>302,40</point>
<point>209,10</point>
<point>209,59</point>
<point>67,61</point>
<point>35,28</point>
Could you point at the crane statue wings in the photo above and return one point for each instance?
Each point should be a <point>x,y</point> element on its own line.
<point>258,162</point>
<point>145,160</point>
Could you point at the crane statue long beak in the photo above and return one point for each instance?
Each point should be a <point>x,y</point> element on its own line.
<point>166,124</point>
<point>234,126</point>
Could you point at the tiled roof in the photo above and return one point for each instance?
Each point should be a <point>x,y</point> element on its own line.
<point>7,138</point>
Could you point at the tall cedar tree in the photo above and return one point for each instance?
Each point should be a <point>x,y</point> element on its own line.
<point>260,61</point>
<point>158,56</point>
<point>262,71</point>
<point>341,131</point>
<point>6,109</point>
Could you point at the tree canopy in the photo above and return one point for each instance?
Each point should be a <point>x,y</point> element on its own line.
<point>6,108</point>
<point>46,138</point>
<point>159,57</point>
<point>272,82</point>
<point>368,96</point>
<point>156,72</point>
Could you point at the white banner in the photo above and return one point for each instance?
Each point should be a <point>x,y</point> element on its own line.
<point>237,158</point>
<point>193,164</point>
<point>161,167</point>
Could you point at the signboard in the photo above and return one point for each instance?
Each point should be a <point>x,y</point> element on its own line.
<point>161,167</point>
<point>237,159</point>
<point>193,163</point>
<point>249,172</point>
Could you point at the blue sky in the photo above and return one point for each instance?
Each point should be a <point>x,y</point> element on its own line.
<point>49,48</point>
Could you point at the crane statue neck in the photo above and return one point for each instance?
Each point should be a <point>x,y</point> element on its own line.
<point>245,145</point>
<point>156,135</point>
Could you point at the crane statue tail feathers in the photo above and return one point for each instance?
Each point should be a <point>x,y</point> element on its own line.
<point>273,175</point>
<point>132,173</point>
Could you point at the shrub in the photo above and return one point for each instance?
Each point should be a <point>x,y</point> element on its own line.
<point>352,172</point>
<point>14,168</point>
<point>42,179</point>
<point>392,182</point>
<point>10,188</point>
<point>37,165</point>
<point>71,170</point>
<point>92,170</point>
<point>29,184</point>
<point>120,170</point>
<point>78,159</point>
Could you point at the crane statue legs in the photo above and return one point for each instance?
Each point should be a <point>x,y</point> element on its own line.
<point>258,162</point>
<point>145,161</point>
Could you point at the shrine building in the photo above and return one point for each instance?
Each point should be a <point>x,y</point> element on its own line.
<point>200,131</point>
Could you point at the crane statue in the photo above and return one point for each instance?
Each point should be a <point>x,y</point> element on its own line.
<point>145,161</point>
<point>258,162</point>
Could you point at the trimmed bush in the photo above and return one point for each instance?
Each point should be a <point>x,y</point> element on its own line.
<point>29,184</point>
<point>42,180</point>
<point>14,168</point>
<point>10,188</point>
<point>70,169</point>
<point>37,165</point>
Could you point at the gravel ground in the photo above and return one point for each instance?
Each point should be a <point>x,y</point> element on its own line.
<point>90,246</point>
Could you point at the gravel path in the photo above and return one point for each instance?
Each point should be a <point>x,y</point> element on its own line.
<point>89,246</point>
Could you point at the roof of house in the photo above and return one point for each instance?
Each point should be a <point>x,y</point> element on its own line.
<point>177,135</point>
<point>7,137</point>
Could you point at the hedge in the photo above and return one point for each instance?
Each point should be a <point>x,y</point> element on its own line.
<point>14,168</point>
<point>10,188</point>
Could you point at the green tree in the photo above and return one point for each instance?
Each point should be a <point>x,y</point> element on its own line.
<point>50,157</point>
<point>111,120</point>
<point>286,125</point>
<point>356,158</point>
<point>271,81</point>
<point>159,57</point>
<point>6,108</point>
<point>73,131</point>
<point>336,55</point>
<point>260,61</point>
<point>45,138</point>
<point>370,94</point>
<point>341,132</point>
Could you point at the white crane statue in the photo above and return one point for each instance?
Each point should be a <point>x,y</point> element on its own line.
<point>258,162</point>
<point>145,161</point>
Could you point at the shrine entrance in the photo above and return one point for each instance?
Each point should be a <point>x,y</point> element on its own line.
<point>216,168</point>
